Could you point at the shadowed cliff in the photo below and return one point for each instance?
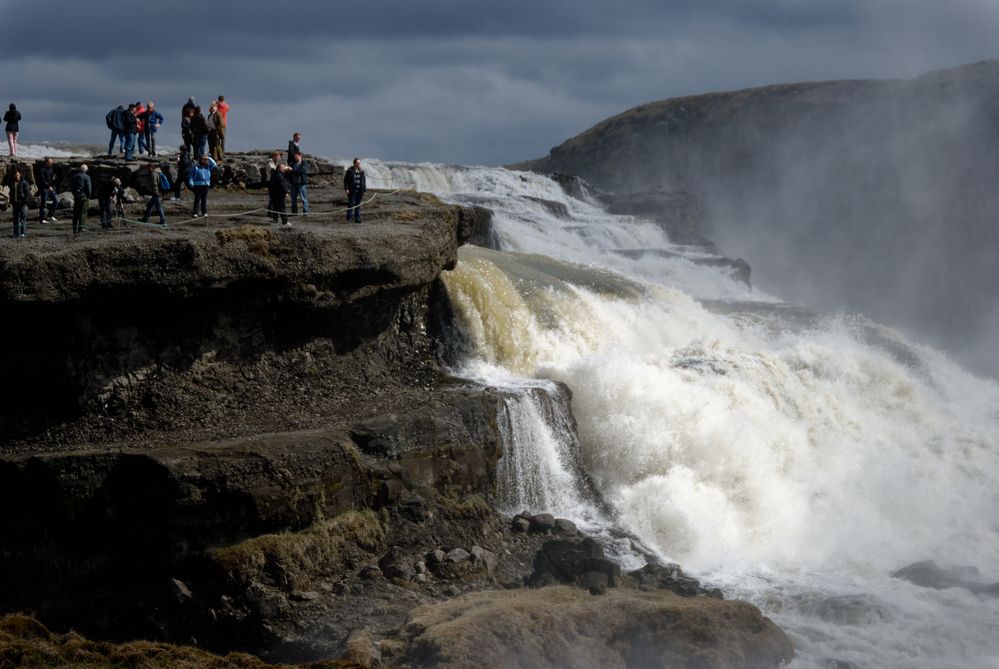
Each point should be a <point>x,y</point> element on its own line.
<point>878,196</point>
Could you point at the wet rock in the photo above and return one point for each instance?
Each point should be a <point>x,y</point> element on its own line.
<point>520,524</point>
<point>928,574</point>
<point>565,561</point>
<point>543,522</point>
<point>565,527</point>
<point>670,577</point>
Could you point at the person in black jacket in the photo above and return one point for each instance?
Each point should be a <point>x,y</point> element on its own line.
<point>20,191</point>
<point>12,118</point>
<point>199,133</point>
<point>355,183</point>
<point>47,192</point>
<point>299,180</point>
<point>293,147</point>
<point>81,199</point>
<point>108,192</point>
<point>131,123</point>
<point>278,189</point>
<point>115,120</point>
<point>183,165</point>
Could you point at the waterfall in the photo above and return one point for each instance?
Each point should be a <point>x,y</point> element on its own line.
<point>794,458</point>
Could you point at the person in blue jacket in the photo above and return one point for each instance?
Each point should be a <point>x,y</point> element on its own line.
<point>199,180</point>
<point>153,120</point>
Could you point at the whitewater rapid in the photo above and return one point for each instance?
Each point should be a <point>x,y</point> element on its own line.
<point>792,458</point>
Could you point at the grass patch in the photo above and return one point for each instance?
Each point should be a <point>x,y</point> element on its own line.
<point>26,643</point>
<point>294,559</point>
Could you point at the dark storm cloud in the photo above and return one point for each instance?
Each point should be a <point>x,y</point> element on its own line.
<point>445,80</point>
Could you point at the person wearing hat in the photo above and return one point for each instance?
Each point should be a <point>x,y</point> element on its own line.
<point>81,199</point>
<point>107,191</point>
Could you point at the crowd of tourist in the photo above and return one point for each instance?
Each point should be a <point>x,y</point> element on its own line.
<point>133,130</point>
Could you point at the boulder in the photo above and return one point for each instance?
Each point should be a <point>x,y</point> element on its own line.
<point>484,560</point>
<point>565,527</point>
<point>670,577</point>
<point>569,562</point>
<point>180,591</point>
<point>543,522</point>
<point>65,201</point>
<point>396,565</point>
<point>457,556</point>
<point>520,524</point>
<point>567,628</point>
<point>928,574</point>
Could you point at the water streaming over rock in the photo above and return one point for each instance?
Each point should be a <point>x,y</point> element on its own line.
<point>793,458</point>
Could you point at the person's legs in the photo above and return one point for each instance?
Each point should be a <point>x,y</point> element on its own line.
<point>104,205</point>
<point>159,208</point>
<point>142,141</point>
<point>151,138</point>
<point>22,217</point>
<point>10,142</point>
<point>129,145</point>
<point>302,193</point>
<point>43,198</point>
<point>13,139</point>
<point>178,183</point>
<point>294,200</point>
<point>222,140</point>
<point>114,136</point>
<point>355,203</point>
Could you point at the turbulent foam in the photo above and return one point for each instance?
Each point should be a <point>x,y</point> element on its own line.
<point>794,459</point>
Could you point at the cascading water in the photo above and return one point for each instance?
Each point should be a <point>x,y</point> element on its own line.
<point>791,458</point>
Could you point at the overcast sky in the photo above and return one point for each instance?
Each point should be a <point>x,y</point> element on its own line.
<point>448,80</point>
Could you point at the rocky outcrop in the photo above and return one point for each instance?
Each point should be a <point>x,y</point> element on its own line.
<point>840,193</point>
<point>928,574</point>
<point>569,628</point>
<point>678,213</point>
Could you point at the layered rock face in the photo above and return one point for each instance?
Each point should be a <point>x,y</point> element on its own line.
<point>241,436</point>
<point>843,192</point>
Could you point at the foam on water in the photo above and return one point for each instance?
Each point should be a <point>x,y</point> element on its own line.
<point>791,458</point>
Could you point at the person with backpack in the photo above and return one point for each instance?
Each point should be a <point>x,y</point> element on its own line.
<point>13,119</point>
<point>183,167</point>
<point>81,199</point>
<point>199,133</point>
<point>199,180</point>
<point>131,124</point>
<point>153,120</point>
<point>20,191</point>
<point>108,192</point>
<point>160,185</point>
<point>47,192</point>
<point>299,180</point>
<point>278,189</point>
<point>116,124</point>
<point>356,184</point>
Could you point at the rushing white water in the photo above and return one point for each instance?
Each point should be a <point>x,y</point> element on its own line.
<point>791,458</point>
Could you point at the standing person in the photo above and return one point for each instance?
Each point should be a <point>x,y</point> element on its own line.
<point>107,192</point>
<point>153,120</point>
<point>116,124</point>
<point>185,130</point>
<point>199,132</point>
<point>81,199</point>
<point>47,192</point>
<point>278,189</point>
<point>293,147</point>
<point>214,122</point>
<point>140,125</point>
<point>299,180</point>
<point>199,180</point>
<point>12,118</point>
<point>356,184</point>
<point>155,200</point>
<point>183,167</point>
<point>131,124</point>
<point>20,191</point>
<point>224,113</point>
<point>188,107</point>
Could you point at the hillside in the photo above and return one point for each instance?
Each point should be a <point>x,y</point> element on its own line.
<point>878,196</point>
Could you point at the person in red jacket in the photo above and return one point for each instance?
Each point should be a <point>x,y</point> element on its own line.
<point>223,108</point>
<point>140,122</point>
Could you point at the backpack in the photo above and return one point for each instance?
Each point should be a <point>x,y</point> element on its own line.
<point>109,119</point>
<point>164,183</point>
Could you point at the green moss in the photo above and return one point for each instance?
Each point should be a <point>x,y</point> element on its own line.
<point>295,559</point>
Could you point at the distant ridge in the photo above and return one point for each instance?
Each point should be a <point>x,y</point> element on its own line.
<point>875,195</point>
